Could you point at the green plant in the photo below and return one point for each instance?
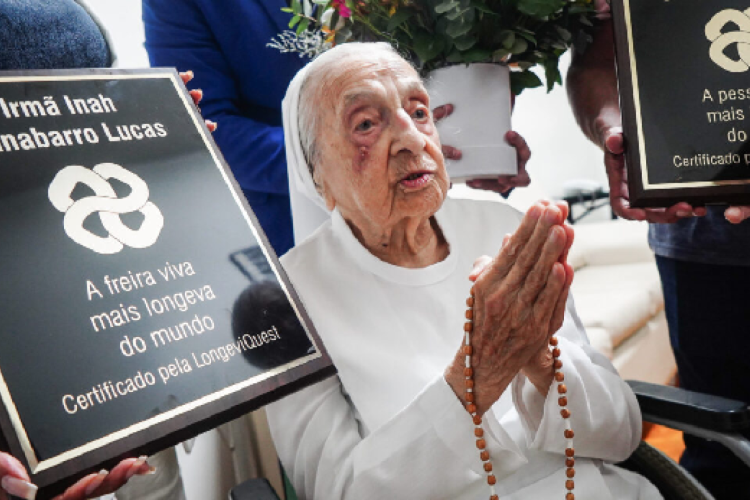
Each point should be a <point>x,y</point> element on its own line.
<point>437,33</point>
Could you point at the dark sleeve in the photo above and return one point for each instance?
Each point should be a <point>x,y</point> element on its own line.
<point>224,44</point>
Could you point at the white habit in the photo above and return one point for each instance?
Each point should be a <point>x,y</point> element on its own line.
<point>389,427</point>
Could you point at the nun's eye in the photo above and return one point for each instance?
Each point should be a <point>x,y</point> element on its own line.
<point>364,126</point>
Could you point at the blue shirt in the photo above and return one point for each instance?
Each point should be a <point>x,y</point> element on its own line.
<point>224,43</point>
<point>707,240</point>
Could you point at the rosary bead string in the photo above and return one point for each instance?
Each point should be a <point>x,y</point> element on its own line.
<point>470,399</point>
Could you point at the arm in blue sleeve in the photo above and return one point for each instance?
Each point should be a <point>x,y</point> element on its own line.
<point>179,33</point>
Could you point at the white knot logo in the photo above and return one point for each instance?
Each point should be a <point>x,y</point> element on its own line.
<point>720,41</point>
<point>107,205</point>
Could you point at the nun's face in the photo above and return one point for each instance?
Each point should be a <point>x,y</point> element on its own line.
<point>380,157</point>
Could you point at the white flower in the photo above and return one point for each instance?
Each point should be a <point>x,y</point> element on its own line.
<point>306,44</point>
<point>325,19</point>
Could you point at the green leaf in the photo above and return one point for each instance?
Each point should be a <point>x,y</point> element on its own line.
<point>507,39</point>
<point>303,25</point>
<point>287,10</point>
<point>553,76</point>
<point>524,65</point>
<point>296,6</point>
<point>519,81</point>
<point>458,29</point>
<point>481,7</point>
<point>585,20</point>
<point>465,42</point>
<point>564,34</point>
<point>476,55</point>
<point>446,6</point>
<point>529,37</point>
<point>454,56</point>
<point>427,46</point>
<point>540,8</point>
<point>519,46</point>
<point>457,13</point>
<point>398,19</point>
<point>552,72</point>
<point>500,54</point>
<point>293,21</point>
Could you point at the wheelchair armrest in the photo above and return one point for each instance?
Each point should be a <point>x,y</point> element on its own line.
<point>664,403</point>
<point>253,489</point>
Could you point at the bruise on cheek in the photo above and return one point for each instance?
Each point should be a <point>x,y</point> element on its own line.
<point>364,153</point>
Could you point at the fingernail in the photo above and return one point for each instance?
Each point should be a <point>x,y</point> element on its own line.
<point>683,213</point>
<point>97,481</point>
<point>19,488</point>
<point>552,215</point>
<point>506,239</point>
<point>552,238</point>
<point>535,211</point>
<point>151,470</point>
<point>190,72</point>
<point>135,467</point>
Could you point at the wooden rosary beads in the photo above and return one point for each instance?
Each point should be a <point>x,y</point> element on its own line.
<point>479,430</point>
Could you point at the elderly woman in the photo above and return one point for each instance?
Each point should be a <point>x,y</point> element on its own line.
<point>385,282</point>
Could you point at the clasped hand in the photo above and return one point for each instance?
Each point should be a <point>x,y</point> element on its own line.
<point>519,303</point>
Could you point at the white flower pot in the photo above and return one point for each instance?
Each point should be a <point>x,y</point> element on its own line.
<point>480,94</point>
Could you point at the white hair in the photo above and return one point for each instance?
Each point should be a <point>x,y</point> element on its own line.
<point>317,71</point>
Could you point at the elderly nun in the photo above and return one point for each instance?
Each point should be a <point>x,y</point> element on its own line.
<point>385,280</point>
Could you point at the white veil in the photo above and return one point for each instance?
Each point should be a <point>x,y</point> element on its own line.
<point>308,208</point>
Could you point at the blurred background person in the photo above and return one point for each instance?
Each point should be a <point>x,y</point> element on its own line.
<point>224,44</point>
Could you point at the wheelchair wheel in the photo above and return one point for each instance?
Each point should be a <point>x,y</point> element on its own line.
<point>672,481</point>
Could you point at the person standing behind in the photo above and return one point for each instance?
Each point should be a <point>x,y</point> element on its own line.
<point>224,44</point>
<point>703,260</point>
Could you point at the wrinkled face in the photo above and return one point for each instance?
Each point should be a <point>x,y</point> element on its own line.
<point>380,161</point>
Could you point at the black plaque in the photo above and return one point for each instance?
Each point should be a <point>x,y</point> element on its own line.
<point>685,98</point>
<point>141,302</point>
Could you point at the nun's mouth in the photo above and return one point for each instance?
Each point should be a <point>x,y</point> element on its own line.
<point>417,180</point>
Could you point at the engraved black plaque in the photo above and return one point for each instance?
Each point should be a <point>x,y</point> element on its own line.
<point>683,71</point>
<point>141,302</point>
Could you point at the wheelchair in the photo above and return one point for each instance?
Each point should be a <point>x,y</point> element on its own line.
<point>709,417</point>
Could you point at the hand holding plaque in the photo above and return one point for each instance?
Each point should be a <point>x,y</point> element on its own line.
<point>684,99</point>
<point>15,480</point>
<point>614,161</point>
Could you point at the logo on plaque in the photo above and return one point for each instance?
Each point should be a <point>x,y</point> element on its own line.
<point>722,40</point>
<point>107,205</point>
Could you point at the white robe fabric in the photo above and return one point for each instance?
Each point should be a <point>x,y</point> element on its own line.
<point>389,427</point>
